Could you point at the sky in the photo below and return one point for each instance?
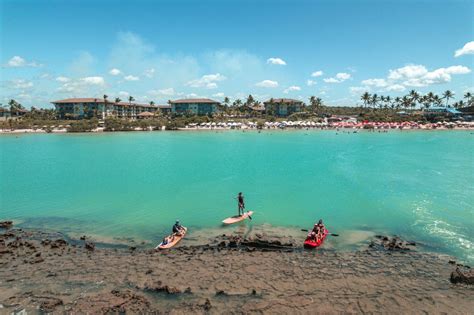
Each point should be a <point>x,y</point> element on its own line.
<point>161,50</point>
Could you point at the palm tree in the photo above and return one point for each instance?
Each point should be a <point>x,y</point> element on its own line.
<point>437,100</point>
<point>117,100</point>
<point>459,104</point>
<point>406,102</point>
<point>250,100</point>
<point>374,100</point>
<point>448,95</point>
<point>152,103</point>
<point>388,101</point>
<point>397,102</point>
<point>414,96</point>
<point>226,101</point>
<point>366,98</point>
<point>105,106</point>
<point>469,98</point>
<point>313,104</point>
<point>130,100</point>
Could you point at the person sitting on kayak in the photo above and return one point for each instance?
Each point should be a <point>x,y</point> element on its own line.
<point>178,229</point>
<point>167,239</point>
<point>320,227</point>
<point>240,199</point>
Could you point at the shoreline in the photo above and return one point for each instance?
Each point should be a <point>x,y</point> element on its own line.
<point>258,273</point>
<point>337,129</point>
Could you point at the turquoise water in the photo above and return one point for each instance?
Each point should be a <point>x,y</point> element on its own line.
<point>416,184</point>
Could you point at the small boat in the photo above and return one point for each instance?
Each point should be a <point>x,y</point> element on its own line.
<point>176,239</point>
<point>238,218</point>
<point>309,243</point>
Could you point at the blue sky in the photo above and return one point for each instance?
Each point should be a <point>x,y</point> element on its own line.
<point>160,50</point>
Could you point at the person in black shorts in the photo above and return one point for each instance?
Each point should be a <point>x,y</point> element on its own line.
<point>241,203</point>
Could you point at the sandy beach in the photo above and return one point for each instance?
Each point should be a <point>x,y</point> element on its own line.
<point>42,272</point>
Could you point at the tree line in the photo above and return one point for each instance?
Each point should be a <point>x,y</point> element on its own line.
<point>413,100</point>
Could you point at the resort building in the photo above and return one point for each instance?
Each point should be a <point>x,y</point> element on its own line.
<point>78,108</point>
<point>442,111</point>
<point>283,106</point>
<point>194,106</point>
<point>165,109</point>
<point>12,113</point>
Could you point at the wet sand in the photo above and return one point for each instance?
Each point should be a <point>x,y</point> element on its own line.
<point>41,272</point>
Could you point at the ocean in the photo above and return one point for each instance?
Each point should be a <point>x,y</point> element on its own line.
<point>416,184</point>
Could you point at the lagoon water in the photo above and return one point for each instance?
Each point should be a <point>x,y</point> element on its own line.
<point>416,184</point>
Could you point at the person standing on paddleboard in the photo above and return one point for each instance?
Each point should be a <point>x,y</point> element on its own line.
<point>240,199</point>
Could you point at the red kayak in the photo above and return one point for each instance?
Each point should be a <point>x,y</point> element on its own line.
<point>309,243</point>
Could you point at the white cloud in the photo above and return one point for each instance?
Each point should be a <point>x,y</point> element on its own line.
<point>131,78</point>
<point>163,92</point>
<point>395,87</point>
<point>343,76</point>
<point>358,89</point>
<point>340,77</point>
<point>207,81</point>
<point>317,73</point>
<point>220,94</point>
<point>415,76</point>
<point>267,84</point>
<point>20,84</point>
<point>17,62</point>
<point>276,61</point>
<point>115,71</point>
<point>93,80</point>
<point>468,49</point>
<point>124,94</point>
<point>375,82</point>
<point>331,80</point>
<point>310,82</point>
<point>149,73</point>
<point>292,88</point>
<point>84,85</point>
<point>62,79</point>
<point>408,72</point>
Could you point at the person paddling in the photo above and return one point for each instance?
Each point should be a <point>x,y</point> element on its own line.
<point>178,228</point>
<point>241,203</point>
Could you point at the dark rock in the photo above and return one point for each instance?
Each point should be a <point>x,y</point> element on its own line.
<point>36,260</point>
<point>49,305</point>
<point>6,224</point>
<point>162,288</point>
<point>149,271</point>
<point>83,238</point>
<point>90,246</point>
<point>58,243</point>
<point>452,262</point>
<point>462,276</point>
<point>132,248</point>
<point>220,293</point>
<point>207,305</point>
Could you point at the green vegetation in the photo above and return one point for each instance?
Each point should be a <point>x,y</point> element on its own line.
<point>83,125</point>
<point>376,108</point>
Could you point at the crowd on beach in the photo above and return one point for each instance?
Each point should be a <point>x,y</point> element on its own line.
<point>283,125</point>
<point>330,125</point>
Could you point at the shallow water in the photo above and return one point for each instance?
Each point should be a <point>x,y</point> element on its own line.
<point>418,184</point>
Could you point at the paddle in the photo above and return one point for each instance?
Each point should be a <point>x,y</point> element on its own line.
<point>332,234</point>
